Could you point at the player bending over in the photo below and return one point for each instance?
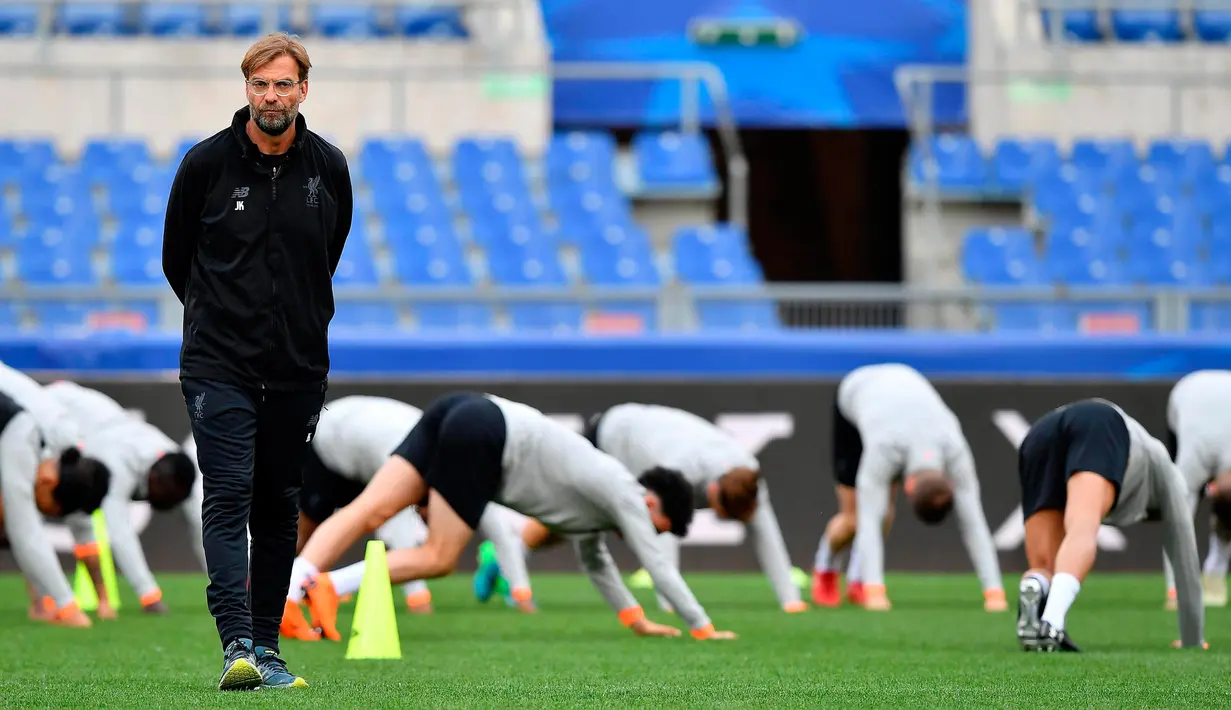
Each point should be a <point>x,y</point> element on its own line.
<point>34,483</point>
<point>1199,440</point>
<point>471,449</point>
<point>354,438</point>
<point>892,428</point>
<point>145,465</point>
<point>724,478</point>
<point>1083,465</point>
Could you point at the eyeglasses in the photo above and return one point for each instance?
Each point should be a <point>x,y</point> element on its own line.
<point>282,87</point>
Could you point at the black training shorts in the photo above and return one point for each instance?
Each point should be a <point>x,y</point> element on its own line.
<point>1084,436</point>
<point>847,447</point>
<point>324,490</point>
<point>458,448</point>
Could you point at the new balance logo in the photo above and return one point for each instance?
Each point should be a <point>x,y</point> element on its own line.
<point>240,193</point>
<point>239,205</point>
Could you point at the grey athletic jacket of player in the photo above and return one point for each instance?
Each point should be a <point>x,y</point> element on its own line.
<point>553,474</point>
<point>906,427</point>
<point>59,428</point>
<point>1153,482</point>
<point>90,409</point>
<point>1199,412</point>
<point>356,435</point>
<point>642,436</point>
<point>20,451</point>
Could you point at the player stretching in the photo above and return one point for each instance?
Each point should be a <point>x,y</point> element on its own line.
<point>354,438</point>
<point>1083,465</point>
<point>891,427</point>
<point>1199,440</point>
<point>145,465</point>
<point>724,477</point>
<point>471,449</point>
<point>34,484</point>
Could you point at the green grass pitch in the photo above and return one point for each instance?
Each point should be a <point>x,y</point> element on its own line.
<point>938,648</point>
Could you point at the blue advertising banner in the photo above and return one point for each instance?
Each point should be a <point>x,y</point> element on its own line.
<point>739,358</point>
<point>833,67</point>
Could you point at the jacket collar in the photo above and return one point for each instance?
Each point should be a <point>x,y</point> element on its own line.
<point>239,128</point>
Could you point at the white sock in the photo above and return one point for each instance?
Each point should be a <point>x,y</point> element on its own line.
<point>301,571</point>
<point>1064,589</point>
<point>413,587</point>
<point>347,580</point>
<point>1216,560</point>
<point>853,573</point>
<point>824,556</point>
<point>1044,583</point>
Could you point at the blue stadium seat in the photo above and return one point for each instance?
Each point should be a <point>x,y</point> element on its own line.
<point>345,20</point>
<point>624,238</point>
<point>365,316</point>
<point>997,255</point>
<point>1147,25</point>
<point>588,207</point>
<point>397,204</point>
<point>492,160</point>
<point>672,161</point>
<point>546,316</point>
<point>1187,157</point>
<point>1102,154</point>
<point>1212,21</point>
<point>357,266</point>
<point>44,202</point>
<point>1077,25</point>
<point>104,158</point>
<point>1212,190</point>
<point>495,233</point>
<point>27,156</point>
<point>173,19</point>
<point>534,265</point>
<point>137,268</point>
<point>1156,257</point>
<point>714,254</point>
<point>582,157</point>
<point>94,18</point>
<point>433,22</point>
<point>1209,316</point>
<point>453,316</point>
<point>737,315</point>
<point>138,236</point>
<point>1060,190</point>
<point>1086,265</point>
<point>438,262</point>
<point>247,19</point>
<point>512,206</point>
<point>18,19</point>
<point>1015,163</point>
<point>955,163</point>
<point>616,267</point>
<point>41,266</point>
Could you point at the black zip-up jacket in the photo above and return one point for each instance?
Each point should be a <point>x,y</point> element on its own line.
<point>250,247</point>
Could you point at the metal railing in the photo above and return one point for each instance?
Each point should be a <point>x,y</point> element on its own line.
<point>794,306</point>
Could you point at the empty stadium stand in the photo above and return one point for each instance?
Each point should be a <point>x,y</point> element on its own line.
<point>1096,214</point>
<point>483,216</point>
<point>171,20</point>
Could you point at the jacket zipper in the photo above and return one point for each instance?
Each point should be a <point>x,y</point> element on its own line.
<point>273,281</point>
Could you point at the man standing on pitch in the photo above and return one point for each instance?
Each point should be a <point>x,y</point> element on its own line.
<point>256,221</point>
